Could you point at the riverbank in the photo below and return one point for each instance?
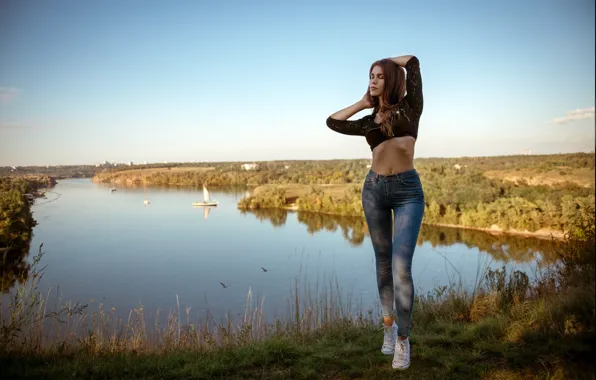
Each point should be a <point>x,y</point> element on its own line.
<point>544,233</point>
<point>505,328</point>
<point>17,195</point>
<point>344,200</point>
<point>151,176</point>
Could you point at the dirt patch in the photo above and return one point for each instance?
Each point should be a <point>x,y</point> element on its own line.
<point>582,177</point>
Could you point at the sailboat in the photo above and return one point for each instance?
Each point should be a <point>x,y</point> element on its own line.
<point>112,189</point>
<point>145,200</point>
<point>207,201</point>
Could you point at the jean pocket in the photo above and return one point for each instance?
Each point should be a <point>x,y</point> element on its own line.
<point>412,181</point>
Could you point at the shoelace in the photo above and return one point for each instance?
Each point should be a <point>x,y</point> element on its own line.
<point>402,347</point>
<point>388,336</point>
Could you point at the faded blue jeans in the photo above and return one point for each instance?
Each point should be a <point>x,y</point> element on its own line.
<point>401,193</point>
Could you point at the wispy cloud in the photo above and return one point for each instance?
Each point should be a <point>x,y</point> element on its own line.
<point>8,94</point>
<point>578,114</point>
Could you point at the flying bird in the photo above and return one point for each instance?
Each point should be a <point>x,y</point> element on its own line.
<point>264,270</point>
<point>224,285</point>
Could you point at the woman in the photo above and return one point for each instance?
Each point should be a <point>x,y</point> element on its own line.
<point>392,184</point>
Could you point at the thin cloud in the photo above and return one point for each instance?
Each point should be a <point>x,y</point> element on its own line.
<point>578,114</point>
<point>8,94</point>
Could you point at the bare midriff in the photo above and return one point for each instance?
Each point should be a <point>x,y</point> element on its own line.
<point>394,156</point>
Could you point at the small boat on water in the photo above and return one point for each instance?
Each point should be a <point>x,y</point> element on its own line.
<point>207,201</point>
<point>145,201</point>
<point>112,189</point>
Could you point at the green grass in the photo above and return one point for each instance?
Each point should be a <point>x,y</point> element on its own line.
<point>443,349</point>
<point>504,328</point>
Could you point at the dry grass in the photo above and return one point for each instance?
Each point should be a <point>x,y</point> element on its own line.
<point>132,176</point>
<point>30,325</point>
<point>294,190</point>
<point>149,171</point>
<point>582,177</point>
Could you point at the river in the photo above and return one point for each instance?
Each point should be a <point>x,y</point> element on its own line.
<point>108,247</point>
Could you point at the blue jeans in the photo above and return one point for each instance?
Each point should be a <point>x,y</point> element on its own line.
<point>401,193</point>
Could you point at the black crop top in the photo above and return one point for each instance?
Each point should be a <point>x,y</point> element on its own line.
<point>410,108</point>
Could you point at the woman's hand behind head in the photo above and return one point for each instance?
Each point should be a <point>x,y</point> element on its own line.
<point>366,101</point>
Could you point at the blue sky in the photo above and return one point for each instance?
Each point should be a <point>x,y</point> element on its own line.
<point>82,82</point>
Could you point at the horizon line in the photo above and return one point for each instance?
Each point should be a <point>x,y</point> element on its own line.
<point>166,162</point>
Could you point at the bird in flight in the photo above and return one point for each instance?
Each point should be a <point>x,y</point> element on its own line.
<point>264,270</point>
<point>224,285</point>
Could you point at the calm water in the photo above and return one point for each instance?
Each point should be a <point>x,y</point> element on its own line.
<point>110,248</point>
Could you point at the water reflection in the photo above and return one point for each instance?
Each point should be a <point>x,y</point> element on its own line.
<point>516,248</point>
<point>503,247</point>
<point>14,266</point>
<point>277,217</point>
<point>353,229</point>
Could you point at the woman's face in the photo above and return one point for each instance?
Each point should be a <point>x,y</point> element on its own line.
<point>376,82</point>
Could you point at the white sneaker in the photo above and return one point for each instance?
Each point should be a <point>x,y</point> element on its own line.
<point>389,339</point>
<point>401,358</point>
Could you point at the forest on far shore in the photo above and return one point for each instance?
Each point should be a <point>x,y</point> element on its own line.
<point>524,193</point>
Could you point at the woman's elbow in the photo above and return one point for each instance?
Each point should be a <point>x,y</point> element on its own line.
<point>332,123</point>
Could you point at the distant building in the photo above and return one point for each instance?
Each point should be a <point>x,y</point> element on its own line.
<point>130,163</point>
<point>249,166</point>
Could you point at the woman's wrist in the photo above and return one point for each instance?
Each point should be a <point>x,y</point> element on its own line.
<point>401,60</point>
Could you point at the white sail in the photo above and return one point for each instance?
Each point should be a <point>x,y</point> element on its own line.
<point>206,194</point>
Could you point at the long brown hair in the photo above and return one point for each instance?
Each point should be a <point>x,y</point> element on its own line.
<point>393,91</point>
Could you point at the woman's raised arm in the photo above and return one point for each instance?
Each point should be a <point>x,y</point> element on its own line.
<point>413,81</point>
<point>339,122</point>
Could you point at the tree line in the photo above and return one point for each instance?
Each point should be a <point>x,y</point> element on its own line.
<point>16,225</point>
<point>466,197</point>
<point>457,190</point>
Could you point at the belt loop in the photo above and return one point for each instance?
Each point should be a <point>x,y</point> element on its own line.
<point>401,179</point>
